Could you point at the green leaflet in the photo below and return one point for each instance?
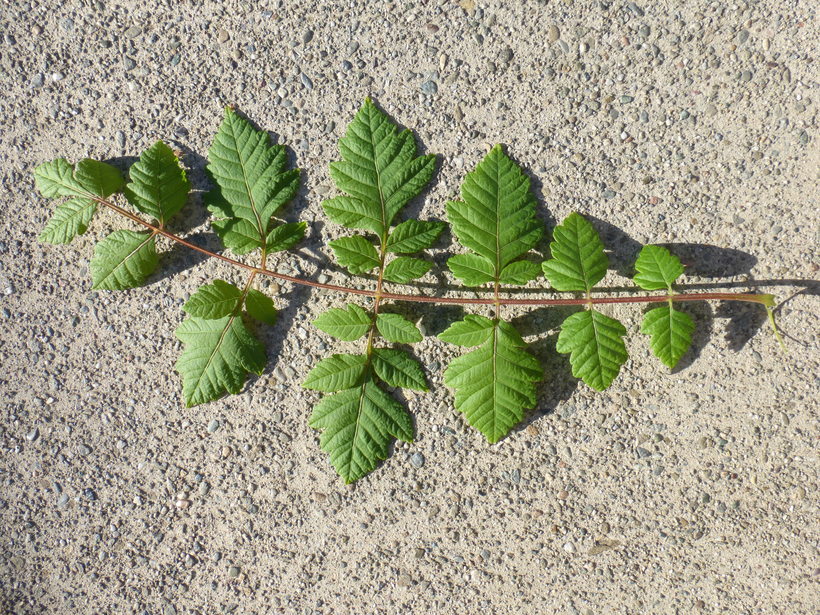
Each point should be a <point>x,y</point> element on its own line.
<point>398,369</point>
<point>495,383</point>
<point>405,269</point>
<point>379,172</point>
<point>87,180</point>
<point>578,261</point>
<point>519,273</point>
<point>69,220</point>
<point>260,307</point>
<point>345,324</point>
<point>657,268</point>
<point>595,345</point>
<point>355,253</point>
<point>496,219</point>
<point>414,235</point>
<point>159,186</point>
<point>358,425</point>
<point>123,260</point>
<point>285,236</point>
<point>396,328</point>
<point>214,300</point>
<point>471,331</point>
<point>670,331</point>
<point>218,354</point>
<point>340,371</point>
<point>471,269</point>
<point>253,184</point>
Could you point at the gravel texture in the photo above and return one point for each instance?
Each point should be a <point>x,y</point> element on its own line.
<point>692,124</point>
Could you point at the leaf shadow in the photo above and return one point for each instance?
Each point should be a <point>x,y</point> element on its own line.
<point>700,260</point>
<point>558,384</point>
<point>745,319</point>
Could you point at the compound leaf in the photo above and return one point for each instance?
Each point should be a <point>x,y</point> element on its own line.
<point>218,354</point>
<point>123,260</point>
<point>657,268</point>
<point>398,369</point>
<point>670,331</point>
<point>405,269</point>
<point>496,219</point>
<point>337,372</point>
<point>356,253</point>
<point>578,261</point>
<point>214,300</point>
<point>260,307</point>
<point>69,220</point>
<point>159,186</point>
<point>396,328</point>
<point>345,324</point>
<point>358,425</point>
<point>414,235</point>
<point>471,269</point>
<point>595,346</point>
<point>495,383</point>
<point>379,171</point>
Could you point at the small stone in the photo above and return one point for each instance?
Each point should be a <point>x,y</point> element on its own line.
<point>37,81</point>
<point>742,36</point>
<point>56,77</point>
<point>130,64</point>
<point>307,36</point>
<point>84,450</point>
<point>222,35</point>
<point>90,494</point>
<point>169,610</point>
<point>213,426</point>
<point>404,580</point>
<point>506,55</point>
<point>746,76</point>
<point>204,489</point>
<point>711,110</point>
<point>417,459</point>
<point>569,547</point>
<point>306,81</point>
<point>429,87</point>
<point>133,32</point>
<point>120,137</point>
<point>233,572</point>
<point>635,9</point>
<point>553,34</point>
<point>62,501</point>
<point>642,453</point>
<point>33,435</point>
<point>627,99</point>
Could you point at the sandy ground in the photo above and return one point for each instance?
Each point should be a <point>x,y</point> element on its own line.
<point>692,124</point>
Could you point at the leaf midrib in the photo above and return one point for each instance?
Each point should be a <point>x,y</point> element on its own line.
<point>242,162</point>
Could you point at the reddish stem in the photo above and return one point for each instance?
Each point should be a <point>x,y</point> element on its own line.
<point>763,299</point>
